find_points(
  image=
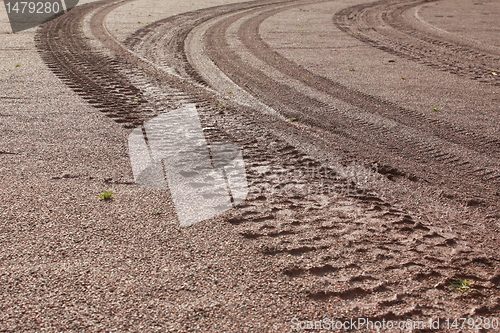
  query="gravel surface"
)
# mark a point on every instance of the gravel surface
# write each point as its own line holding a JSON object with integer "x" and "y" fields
{"x": 383, "y": 247}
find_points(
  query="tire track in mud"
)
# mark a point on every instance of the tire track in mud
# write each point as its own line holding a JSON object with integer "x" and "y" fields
{"x": 434, "y": 141}
{"x": 478, "y": 142}
{"x": 342, "y": 247}
{"x": 94, "y": 76}
{"x": 340, "y": 243}
{"x": 384, "y": 25}
{"x": 323, "y": 270}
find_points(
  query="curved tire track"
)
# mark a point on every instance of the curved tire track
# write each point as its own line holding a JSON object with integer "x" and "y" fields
{"x": 94, "y": 76}
{"x": 372, "y": 250}
{"x": 409, "y": 133}
{"x": 297, "y": 232}
{"x": 386, "y": 25}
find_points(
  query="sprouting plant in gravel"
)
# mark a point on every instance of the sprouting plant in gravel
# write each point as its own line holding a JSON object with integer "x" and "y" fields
{"x": 357, "y": 32}
{"x": 221, "y": 106}
{"x": 229, "y": 92}
{"x": 106, "y": 195}
{"x": 351, "y": 69}
{"x": 436, "y": 108}
{"x": 18, "y": 65}
{"x": 7, "y": 32}
{"x": 461, "y": 285}
{"x": 157, "y": 212}
{"x": 403, "y": 77}
{"x": 137, "y": 99}
{"x": 293, "y": 119}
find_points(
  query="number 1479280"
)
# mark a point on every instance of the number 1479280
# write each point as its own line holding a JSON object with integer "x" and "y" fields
{"x": 22, "y": 7}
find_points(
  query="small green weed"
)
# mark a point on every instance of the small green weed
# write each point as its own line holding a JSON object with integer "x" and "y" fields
{"x": 461, "y": 285}
{"x": 106, "y": 195}
{"x": 357, "y": 32}
{"x": 221, "y": 106}
{"x": 293, "y": 119}
{"x": 351, "y": 69}
{"x": 18, "y": 65}
{"x": 436, "y": 108}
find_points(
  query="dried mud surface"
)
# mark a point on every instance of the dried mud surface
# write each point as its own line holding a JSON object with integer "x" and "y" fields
{"x": 364, "y": 207}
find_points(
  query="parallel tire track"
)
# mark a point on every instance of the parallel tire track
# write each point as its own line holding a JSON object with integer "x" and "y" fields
{"x": 175, "y": 29}
{"x": 96, "y": 77}
{"x": 362, "y": 21}
{"x": 415, "y": 136}
{"x": 354, "y": 248}
{"x": 296, "y": 231}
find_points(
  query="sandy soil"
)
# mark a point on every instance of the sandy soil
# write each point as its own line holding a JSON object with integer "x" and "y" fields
{"x": 380, "y": 245}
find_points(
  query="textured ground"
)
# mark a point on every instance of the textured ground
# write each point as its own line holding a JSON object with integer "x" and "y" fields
{"x": 362, "y": 206}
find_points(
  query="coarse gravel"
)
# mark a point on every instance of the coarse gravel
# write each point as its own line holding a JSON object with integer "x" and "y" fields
{"x": 70, "y": 262}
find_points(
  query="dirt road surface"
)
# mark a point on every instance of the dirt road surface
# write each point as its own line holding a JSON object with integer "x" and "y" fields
{"x": 370, "y": 136}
